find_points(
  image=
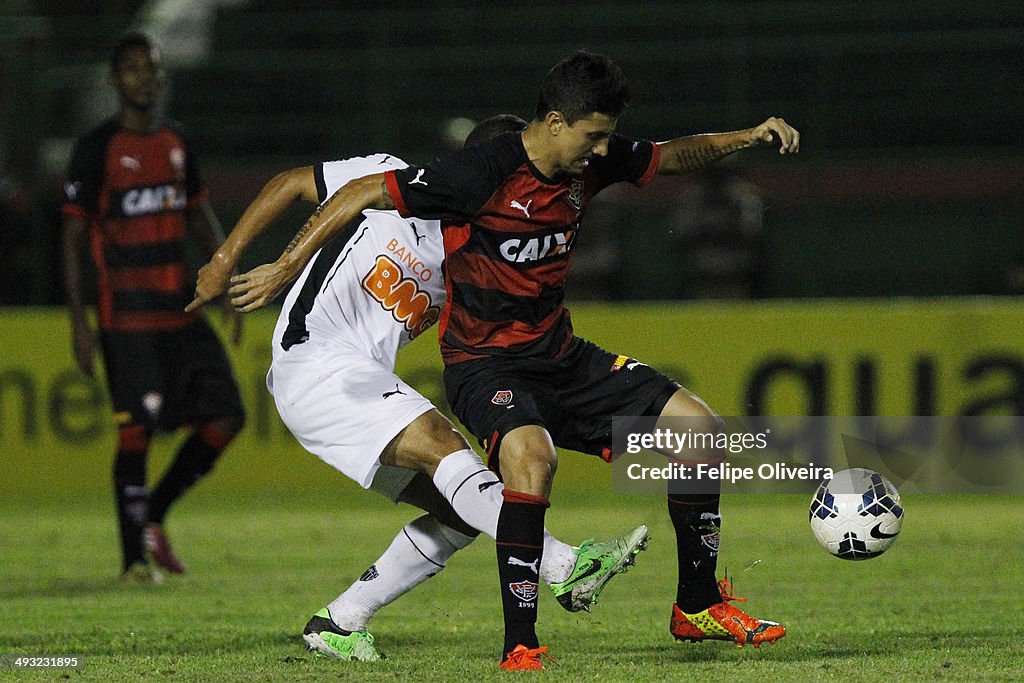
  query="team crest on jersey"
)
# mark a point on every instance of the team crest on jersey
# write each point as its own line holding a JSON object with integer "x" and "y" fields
{"x": 502, "y": 397}
{"x": 524, "y": 590}
{"x": 575, "y": 195}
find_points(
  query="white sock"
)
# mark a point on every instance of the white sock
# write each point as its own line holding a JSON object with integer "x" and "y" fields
{"x": 558, "y": 560}
{"x": 472, "y": 489}
{"x": 420, "y": 550}
{"x": 460, "y": 476}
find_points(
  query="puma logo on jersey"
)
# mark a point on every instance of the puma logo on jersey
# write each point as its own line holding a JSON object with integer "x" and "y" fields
{"x": 536, "y": 248}
{"x": 416, "y": 233}
{"x": 516, "y": 562}
{"x": 525, "y": 209}
{"x": 401, "y": 296}
{"x": 389, "y": 394}
{"x": 71, "y": 190}
{"x": 417, "y": 180}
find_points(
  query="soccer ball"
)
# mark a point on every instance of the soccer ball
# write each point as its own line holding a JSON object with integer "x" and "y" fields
{"x": 857, "y": 514}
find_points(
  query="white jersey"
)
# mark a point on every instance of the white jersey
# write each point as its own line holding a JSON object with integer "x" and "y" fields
{"x": 373, "y": 288}
{"x": 359, "y": 299}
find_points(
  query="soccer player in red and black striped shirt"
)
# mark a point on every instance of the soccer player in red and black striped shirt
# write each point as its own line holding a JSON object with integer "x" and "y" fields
{"x": 515, "y": 373}
{"x": 132, "y": 198}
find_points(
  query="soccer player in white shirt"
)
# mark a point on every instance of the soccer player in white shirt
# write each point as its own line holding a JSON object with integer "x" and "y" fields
{"x": 361, "y": 298}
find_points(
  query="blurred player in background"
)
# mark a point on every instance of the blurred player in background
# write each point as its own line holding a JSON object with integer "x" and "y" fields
{"x": 133, "y": 196}
{"x": 516, "y": 376}
{"x": 366, "y": 294}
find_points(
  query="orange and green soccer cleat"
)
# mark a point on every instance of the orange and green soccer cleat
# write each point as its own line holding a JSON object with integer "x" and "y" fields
{"x": 523, "y": 658}
{"x": 723, "y": 621}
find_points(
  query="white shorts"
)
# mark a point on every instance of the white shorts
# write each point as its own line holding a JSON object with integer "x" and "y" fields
{"x": 345, "y": 408}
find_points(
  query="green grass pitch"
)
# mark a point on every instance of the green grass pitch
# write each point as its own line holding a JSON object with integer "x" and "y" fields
{"x": 944, "y": 603}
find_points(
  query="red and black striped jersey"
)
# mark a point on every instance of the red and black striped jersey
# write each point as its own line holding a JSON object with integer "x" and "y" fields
{"x": 134, "y": 189}
{"x": 508, "y": 239}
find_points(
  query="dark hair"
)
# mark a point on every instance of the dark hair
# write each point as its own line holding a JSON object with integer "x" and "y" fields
{"x": 128, "y": 41}
{"x": 496, "y": 125}
{"x": 583, "y": 83}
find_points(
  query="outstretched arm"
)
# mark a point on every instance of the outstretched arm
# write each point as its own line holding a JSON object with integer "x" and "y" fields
{"x": 698, "y": 151}
{"x": 283, "y": 189}
{"x": 262, "y": 284}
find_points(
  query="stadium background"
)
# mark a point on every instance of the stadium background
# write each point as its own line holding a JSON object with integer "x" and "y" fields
{"x": 893, "y": 240}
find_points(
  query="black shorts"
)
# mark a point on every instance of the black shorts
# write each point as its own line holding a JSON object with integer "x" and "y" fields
{"x": 573, "y": 397}
{"x": 164, "y": 380}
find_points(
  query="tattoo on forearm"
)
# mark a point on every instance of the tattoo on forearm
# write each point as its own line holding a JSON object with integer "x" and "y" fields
{"x": 306, "y": 228}
{"x": 693, "y": 158}
{"x": 385, "y": 196}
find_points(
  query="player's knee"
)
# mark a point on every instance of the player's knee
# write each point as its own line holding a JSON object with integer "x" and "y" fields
{"x": 443, "y": 433}
{"x": 528, "y": 458}
{"x": 423, "y": 444}
{"x": 699, "y": 416}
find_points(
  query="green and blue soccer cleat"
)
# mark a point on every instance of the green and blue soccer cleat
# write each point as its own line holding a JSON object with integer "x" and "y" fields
{"x": 596, "y": 564}
{"x": 323, "y": 637}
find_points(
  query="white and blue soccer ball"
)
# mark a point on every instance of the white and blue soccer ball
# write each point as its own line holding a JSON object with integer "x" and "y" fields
{"x": 857, "y": 514}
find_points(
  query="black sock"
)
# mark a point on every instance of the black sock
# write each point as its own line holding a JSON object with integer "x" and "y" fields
{"x": 132, "y": 498}
{"x": 697, "y": 524}
{"x": 193, "y": 461}
{"x": 520, "y": 544}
